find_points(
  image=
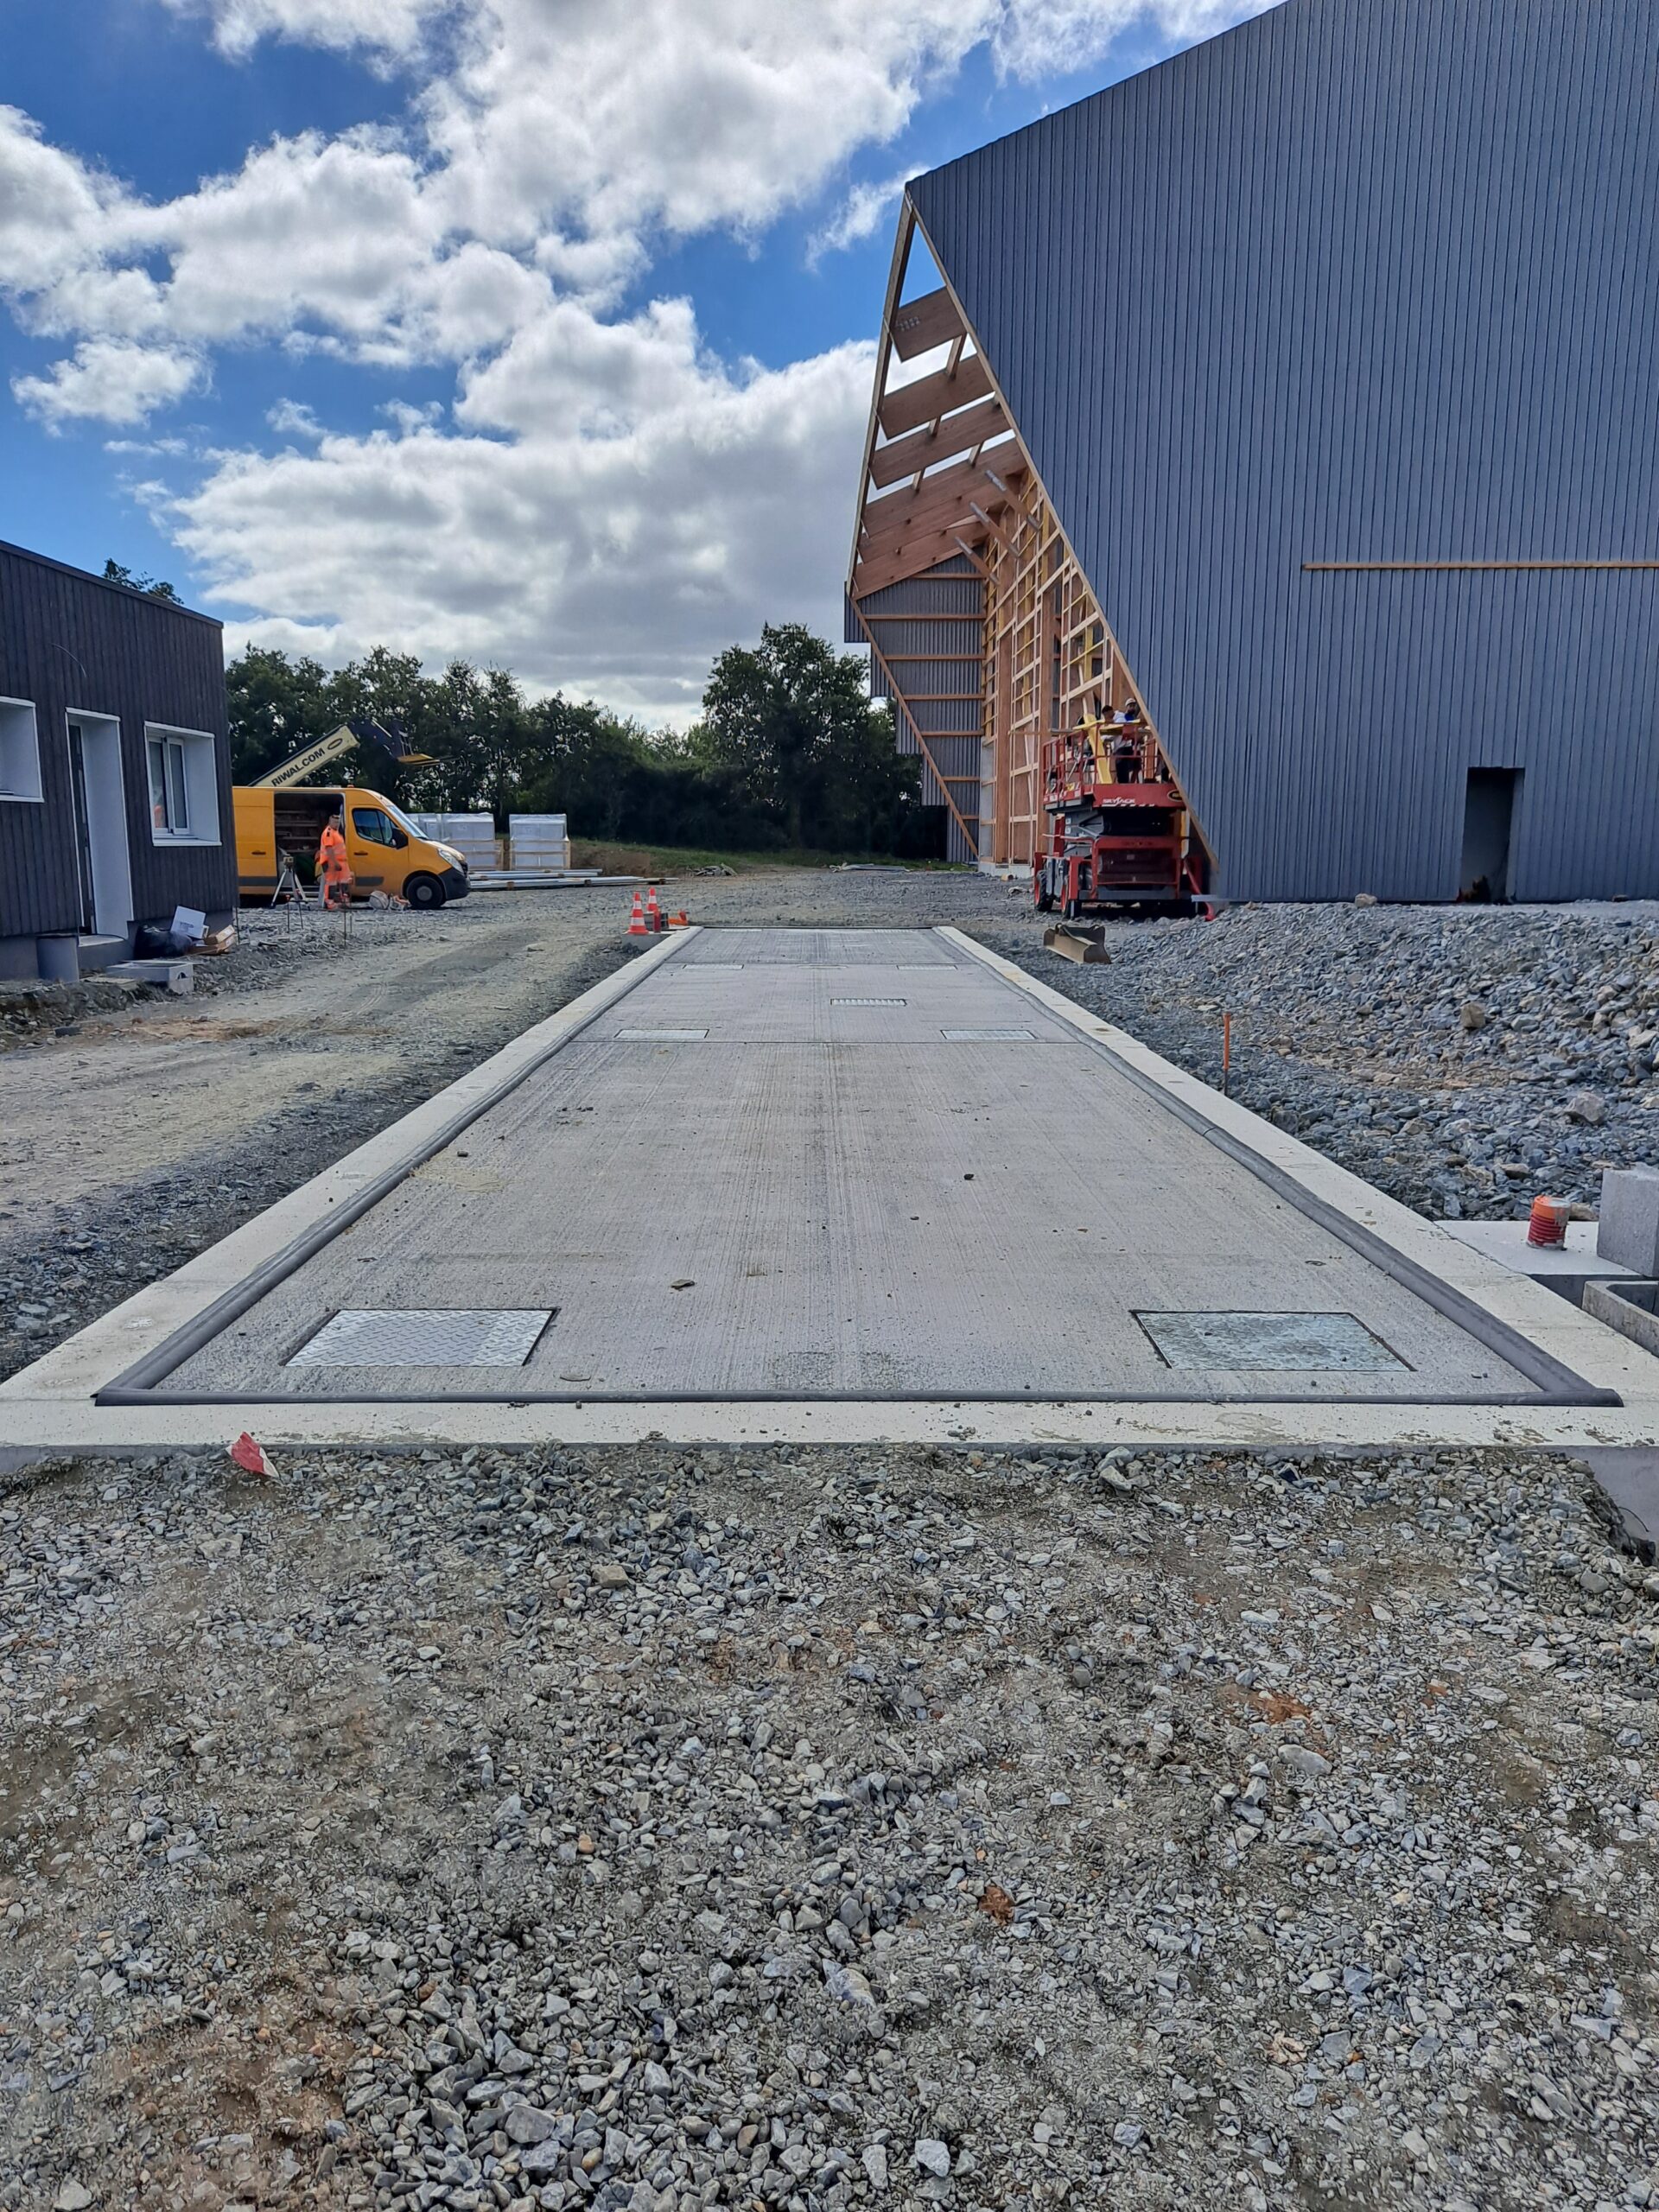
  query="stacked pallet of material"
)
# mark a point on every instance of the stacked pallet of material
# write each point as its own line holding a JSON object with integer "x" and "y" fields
{"x": 538, "y": 845}
{"x": 473, "y": 836}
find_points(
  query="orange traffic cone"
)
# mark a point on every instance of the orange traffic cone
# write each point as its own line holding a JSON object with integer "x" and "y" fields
{"x": 680, "y": 921}
{"x": 653, "y": 911}
{"x": 637, "y": 926}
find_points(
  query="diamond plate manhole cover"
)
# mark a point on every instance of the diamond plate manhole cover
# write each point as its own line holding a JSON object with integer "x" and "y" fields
{"x": 425, "y": 1337}
{"x": 987, "y": 1036}
{"x": 663, "y": 1036}
{"x": 1301, "y": 1344}
{"x": 868, "y": 1001}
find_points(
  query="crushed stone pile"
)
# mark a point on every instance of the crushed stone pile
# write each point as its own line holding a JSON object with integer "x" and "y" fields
{"x": 1464, "y": 1059}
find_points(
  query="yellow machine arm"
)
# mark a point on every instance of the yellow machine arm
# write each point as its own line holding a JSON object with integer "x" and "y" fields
{"x": 301, "y": 767}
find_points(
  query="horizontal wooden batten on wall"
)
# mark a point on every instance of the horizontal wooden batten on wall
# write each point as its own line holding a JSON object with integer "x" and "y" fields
{"x": 1412, "y": 568}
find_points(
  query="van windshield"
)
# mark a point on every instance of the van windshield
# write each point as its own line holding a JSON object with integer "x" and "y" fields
{"x": 401, "y": 820}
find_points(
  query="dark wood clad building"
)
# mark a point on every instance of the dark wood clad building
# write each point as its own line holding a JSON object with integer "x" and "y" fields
{"x": 115, "y": 784}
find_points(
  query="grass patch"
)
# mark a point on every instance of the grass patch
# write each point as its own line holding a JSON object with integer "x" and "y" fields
{"x": 686, "y": 860}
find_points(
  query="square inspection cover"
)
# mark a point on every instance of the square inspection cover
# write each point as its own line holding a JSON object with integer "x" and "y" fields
{"x": 425, "y": 1337}
{"x": 1299, "y": 1344}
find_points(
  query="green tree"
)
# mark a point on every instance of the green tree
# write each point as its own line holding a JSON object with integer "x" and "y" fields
{"x": 114, "y": 573}
{"x": 792, "y": 720}
{"x": 790, "y": 748}
{"x": 277, "y": 705}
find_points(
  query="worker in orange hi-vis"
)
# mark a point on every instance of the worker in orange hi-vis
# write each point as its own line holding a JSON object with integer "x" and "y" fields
{"x": 334, "y": 870}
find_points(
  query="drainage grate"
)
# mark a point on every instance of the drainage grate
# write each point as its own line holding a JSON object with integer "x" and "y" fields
{"x": 426, "y": 1337}
{"x": 1299, "y": 1343}
{"x": 662, "y": 1036}
{"x": 870, "y": 1001}
{"x": 988, "y": 1036}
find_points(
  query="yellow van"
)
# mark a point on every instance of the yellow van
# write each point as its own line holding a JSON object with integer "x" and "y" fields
{"x": 386, "y": 851}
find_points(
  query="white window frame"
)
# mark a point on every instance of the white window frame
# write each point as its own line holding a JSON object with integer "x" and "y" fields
{"x": 19, "y": 753}
{"x": 189, "y": 765}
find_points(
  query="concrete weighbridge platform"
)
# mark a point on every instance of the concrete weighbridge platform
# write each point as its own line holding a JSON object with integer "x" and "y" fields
{"x": 824, "y": 1184}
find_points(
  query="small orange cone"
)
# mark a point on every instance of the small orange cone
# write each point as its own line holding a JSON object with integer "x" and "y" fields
{"x": 653, "y": 912}
{"x": 680, "y": 921}
{"x": 637, "y": 926}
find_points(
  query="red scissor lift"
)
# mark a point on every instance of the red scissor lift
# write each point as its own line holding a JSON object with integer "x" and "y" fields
{"x": 1120, "y": 834}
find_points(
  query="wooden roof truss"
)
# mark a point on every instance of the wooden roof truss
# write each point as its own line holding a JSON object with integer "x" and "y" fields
{"x": 946, "y": 473}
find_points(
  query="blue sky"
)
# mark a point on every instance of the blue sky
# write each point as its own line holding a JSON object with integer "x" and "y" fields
{"x": 535, "y": 330}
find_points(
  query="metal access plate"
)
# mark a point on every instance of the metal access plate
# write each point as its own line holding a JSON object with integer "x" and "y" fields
{"x": 663, "y": 1036}
{"x": 987, "y": 1036}
{"x": 867, "y": 1001}
{"x": 1298, "y": 1343}
{"x": 425, "y": 1337}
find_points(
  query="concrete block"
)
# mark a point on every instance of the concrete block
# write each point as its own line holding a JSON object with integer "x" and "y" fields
{"x": 178, "y": 976}
{"x": 1630, "y": 1308}
{"x": 1629, "y": 1230}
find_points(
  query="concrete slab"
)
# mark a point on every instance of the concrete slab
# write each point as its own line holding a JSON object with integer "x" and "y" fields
{"x": 1564, "y": 1269}
{"x": 903, "y": 1190}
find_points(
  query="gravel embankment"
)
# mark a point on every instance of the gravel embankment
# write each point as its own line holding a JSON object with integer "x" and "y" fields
{"x": 1464, "y": 1059}
{"x": 887, "y": 1828}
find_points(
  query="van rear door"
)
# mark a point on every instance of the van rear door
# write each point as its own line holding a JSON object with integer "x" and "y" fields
{"x": 256, "y": 841}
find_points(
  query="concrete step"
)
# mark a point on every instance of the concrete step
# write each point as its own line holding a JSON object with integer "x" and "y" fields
{"x": 95, "y": 954}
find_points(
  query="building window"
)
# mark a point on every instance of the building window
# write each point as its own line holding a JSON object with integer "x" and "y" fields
{"x": 183, "y": 785}
{"x": 19, "y": 750}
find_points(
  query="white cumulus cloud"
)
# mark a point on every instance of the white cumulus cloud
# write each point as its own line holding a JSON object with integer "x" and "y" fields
{"x": 389, "y": 28}
{"x": 109, "y": 380}
{"x": 609, "y": 558}
{"x": 1045, "y": 38}
{"x": 598, "y": 501}
{"x": 868, "y": 208}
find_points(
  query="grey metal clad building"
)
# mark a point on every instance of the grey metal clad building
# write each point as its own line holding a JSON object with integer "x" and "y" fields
{"x": 1329, "y": 350}
{"x": 115, "y": 786}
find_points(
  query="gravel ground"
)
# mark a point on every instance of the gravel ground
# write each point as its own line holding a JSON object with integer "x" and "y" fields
{"x": 891, "y": 1828}
{"x": 1464, "y": 1059}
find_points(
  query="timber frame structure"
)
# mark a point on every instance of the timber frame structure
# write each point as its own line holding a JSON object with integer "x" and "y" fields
{"x": 983, "y": 630}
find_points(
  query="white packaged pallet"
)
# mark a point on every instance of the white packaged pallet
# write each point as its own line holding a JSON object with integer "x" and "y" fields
{"x": 473, "y": 836}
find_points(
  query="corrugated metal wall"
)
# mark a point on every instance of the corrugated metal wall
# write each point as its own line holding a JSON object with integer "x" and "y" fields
{"x": 929, "y": 631}
{"x": 68, "y": 640}
{"x": 1362, "y": 279}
